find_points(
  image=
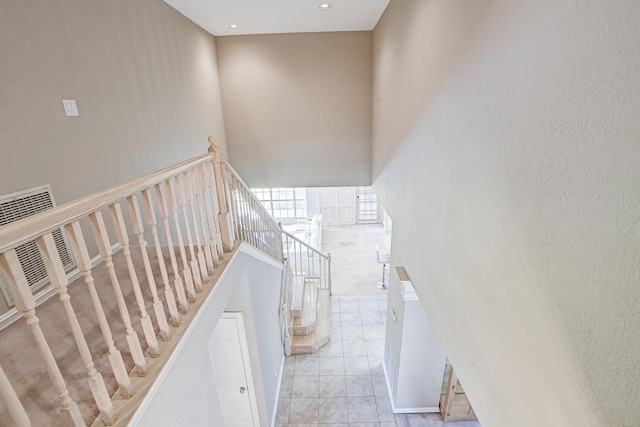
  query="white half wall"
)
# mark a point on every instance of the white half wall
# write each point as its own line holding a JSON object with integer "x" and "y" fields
{"x": 506, "y": 149}
{"x": 185, "y": 393}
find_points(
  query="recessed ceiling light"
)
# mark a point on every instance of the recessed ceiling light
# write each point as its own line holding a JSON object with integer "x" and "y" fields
{"x": 325, "y": 6}
{"x": 233, "y": 26}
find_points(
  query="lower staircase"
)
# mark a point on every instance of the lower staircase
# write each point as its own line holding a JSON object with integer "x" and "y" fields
{"x": 311, "y": 316}
{"x": 309, "y": 295}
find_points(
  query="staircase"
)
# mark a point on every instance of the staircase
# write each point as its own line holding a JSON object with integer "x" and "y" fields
{"x": 309, "y": 294}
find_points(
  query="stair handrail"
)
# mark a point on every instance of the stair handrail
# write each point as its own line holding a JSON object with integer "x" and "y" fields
{"x": 250, "y": 220}
{"x": 307, "y": 265}
{"x": 202, "y": 202}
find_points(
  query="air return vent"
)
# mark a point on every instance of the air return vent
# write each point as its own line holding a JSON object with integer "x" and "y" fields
{"x": 20, "y": 205}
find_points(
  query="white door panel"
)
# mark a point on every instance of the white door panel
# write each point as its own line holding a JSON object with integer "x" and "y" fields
{"x": 229, "y": 357}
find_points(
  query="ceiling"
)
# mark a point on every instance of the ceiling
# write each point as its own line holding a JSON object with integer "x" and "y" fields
{"x": 280, "y": 16}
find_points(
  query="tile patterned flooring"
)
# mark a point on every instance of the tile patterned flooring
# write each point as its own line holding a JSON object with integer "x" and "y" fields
{"x": 343, "y": 384}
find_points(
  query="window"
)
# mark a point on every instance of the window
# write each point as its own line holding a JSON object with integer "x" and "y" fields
{"x": 283, "y": 203}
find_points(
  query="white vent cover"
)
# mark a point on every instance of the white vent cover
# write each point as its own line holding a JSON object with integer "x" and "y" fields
{"x": 20, "y": 205}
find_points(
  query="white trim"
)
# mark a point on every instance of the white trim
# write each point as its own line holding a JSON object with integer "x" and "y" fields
{"x": 395, "y": 410}
{"x": 275, "y": 404}
{"x": 13, "y": 314}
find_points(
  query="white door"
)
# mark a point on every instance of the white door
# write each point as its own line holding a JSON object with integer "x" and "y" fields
{"x": 366, "y": 206}
{"x": 338, "y": 205}
{"x": 232, "y": 370}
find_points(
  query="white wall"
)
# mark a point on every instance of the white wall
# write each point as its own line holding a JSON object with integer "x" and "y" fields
{"x": 298, "y": 107}
{"x": 506, "y": 151}
{"x": 186, "y": 394}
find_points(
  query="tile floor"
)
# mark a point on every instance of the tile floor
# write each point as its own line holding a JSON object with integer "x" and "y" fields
{"x": 343, "y": 383}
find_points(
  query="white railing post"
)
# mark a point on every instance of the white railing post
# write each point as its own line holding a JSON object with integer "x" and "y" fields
{"x": 24, "y": 301}
{"x": 58, "y": 277}
{"x": 205, "y": 224}
{"x": 186, "y": 271}
{"x": 204, "y": 276}
{"x": 123, "y": 238}
{"x": 226, "y": 229}
{"x": 174, "y": 316}
{"x": 81, "y": 254}
{"x": 209, "y": 176}
{"x": 138, "y": 230}
{"x": 195, "y": 268}
{"x": 177, "y": 280}
{"x": 104, "y": 246}
{"x": 14, "y": 406}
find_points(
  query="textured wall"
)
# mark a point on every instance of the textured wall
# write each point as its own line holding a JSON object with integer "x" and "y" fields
{"x": 298, "y": 107}
{"x": 505, "y": 149}
{"x": 144, "y": 77}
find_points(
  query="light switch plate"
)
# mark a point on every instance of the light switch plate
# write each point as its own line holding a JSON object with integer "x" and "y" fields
{"x": 70, "y": 107}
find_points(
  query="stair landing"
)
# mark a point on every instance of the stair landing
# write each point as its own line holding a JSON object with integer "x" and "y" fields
{"x": 313, "y": 341}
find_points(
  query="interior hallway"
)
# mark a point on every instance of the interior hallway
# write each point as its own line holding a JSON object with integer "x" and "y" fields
{"x": 343, "y": 383}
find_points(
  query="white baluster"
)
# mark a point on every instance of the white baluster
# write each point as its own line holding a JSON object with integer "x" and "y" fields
{"x": 145, "y": 319}
{"x": 198, "y": 190}
{"x": 226, "y": 228}
{"x": 198, "y": 243}
{"x": 58, "y": 277}
{"x": 209, "y": 204}
{"x": 168, "y": 292}
{"x": 195, "y": 268}
{"x": 23, "y": 299}
{"x": 177, "y": 280}
{"x": 138, "y": 229}
{"x": 14, "y": 406}
{"x": 104, "y": 246}
{"x": 239, "y": 208}
{"x": 79, "y": 248}
{"x": 209, "y": 175}
{"x": 186, "y": 271}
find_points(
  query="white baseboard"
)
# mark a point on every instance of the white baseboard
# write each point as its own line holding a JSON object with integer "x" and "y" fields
{"x": 275, "y": 405}
{"x": 13, "y": 314}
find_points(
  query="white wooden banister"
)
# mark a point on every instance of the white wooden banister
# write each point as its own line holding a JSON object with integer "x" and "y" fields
{"x": 193, "y": 213}
{"x": 27, "y": 229}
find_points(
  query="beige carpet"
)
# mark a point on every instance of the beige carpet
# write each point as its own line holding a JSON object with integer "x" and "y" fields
{"x": 21, "y": 360}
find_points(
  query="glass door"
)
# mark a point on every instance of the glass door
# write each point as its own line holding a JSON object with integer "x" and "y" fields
{"x": 366, "y": 206}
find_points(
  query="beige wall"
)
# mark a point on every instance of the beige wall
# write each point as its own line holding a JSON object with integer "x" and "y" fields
{"x": 505, "y": 149}
{"x": 146, "y": 84}
{"x": 298, "y": 107}
{"x": 144, "y": 77}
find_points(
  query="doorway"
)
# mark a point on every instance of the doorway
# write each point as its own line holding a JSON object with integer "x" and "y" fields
{"x": 366, "y": 206}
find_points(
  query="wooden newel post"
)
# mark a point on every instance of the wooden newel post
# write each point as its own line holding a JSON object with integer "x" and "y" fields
{"x": 226, "y": 227}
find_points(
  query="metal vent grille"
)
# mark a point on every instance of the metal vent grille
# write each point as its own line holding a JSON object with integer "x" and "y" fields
{"x": 21, "y": 205}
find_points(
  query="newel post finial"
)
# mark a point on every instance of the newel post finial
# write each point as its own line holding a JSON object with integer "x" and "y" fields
{"x": 213, "y": 145}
